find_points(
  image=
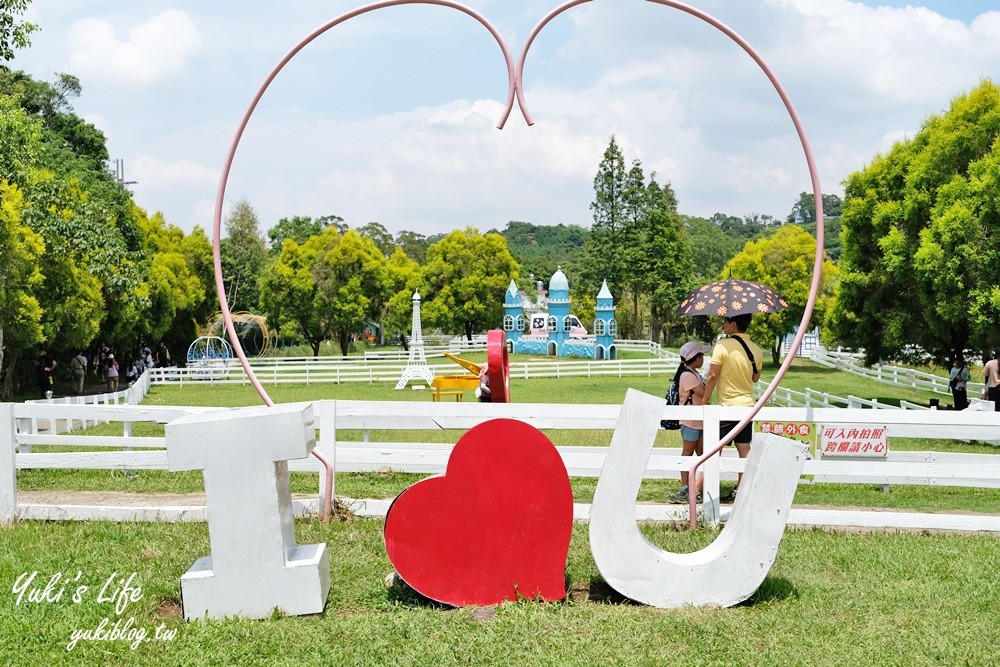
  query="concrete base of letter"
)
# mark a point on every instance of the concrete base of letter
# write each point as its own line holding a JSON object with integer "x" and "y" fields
{"x": 301, "y": 588}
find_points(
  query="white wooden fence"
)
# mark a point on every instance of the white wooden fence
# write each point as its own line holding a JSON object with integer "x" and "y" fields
{"x": 327, "y": 369}
{"x": 133, "y": 395}
{"x": 894, "y": 375}
{"x": 333, "y": 417}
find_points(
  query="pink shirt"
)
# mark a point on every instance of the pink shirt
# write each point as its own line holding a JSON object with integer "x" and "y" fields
{"x": 688, "y": 382}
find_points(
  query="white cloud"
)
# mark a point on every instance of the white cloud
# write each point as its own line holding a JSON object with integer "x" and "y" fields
{"x": 155, "y": 49}
{"x": 159, "y": 172}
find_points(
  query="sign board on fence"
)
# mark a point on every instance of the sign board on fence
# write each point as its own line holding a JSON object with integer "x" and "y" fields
{"x": 804, "y": 432}
{"x": 866, "y": 441}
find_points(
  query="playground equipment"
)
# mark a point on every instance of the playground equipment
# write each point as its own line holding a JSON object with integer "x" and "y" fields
{"x": 251, "y": 330}
{"x": 209, "y": 357}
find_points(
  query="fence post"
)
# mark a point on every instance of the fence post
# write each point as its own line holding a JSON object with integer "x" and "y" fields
{"x": 710, "y": 469}
{"x": 8, "y": 464}
{"x": 327, "y": 444}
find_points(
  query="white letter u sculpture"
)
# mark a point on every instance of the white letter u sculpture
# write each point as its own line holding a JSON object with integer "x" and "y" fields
{"x": 725, "y": 572}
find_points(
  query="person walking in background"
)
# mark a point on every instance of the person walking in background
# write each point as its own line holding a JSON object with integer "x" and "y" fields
{"x": 79, "y": 367}
{"x": 46, "y": 366}
{"x": 102, "y": 356}
{"x": 959, "y": 377}
{"x": 691, "y": 390}
{"x": 736, "y": 362}
{"x": 133, "y": 372}
{"x": 991, "y": 371}
{"x": 111, "y": 372}
{"x": 162, "y": 356}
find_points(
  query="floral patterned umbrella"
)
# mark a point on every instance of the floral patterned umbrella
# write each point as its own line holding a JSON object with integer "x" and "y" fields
{"x": 728, "y": 298}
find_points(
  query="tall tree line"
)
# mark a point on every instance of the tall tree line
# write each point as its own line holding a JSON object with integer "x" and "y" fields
{"x": 637, "y": 243}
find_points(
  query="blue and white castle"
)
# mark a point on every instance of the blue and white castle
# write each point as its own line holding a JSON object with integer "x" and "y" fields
{"x": 557, "y": 333}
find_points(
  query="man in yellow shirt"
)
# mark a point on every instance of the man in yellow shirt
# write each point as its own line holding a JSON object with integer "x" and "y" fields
{"x": 735, "y": 369}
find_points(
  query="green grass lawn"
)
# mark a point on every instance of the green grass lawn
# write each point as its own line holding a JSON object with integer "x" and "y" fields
{"x": 830, "y": 599}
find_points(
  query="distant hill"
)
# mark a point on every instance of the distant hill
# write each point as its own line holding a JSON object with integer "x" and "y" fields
{"x": 540, "y": 249}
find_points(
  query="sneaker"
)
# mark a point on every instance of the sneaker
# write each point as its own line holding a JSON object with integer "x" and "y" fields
{"x": 680, "y": 497}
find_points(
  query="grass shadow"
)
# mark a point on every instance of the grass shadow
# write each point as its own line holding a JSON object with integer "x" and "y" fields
{"x": 599, "y": 591}
{"x": 401, "y": 593}
{"x": 773, "y": 589}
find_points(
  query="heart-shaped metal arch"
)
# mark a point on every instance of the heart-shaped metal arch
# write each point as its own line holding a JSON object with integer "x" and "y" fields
{"x": 817, "y": 193}
{"x": 515, "y": 90}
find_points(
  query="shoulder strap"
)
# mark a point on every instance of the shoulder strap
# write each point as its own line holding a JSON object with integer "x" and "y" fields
{"x": 746, "y": 348}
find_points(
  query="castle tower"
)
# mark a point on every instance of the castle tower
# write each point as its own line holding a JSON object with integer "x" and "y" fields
{"x": 513, "y": 318}
{"x": 416, "y": 365}
{"x": 605, "y": 325}
{"x": 558, "y": 319}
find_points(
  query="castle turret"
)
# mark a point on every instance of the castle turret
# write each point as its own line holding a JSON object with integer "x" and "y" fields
{"x": 558, "y": 318}
{"x": 513, "y": 319}
{"x": 605, "y": 325}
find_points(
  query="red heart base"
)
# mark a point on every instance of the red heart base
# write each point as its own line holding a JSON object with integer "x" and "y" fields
{"x": 494, "y": 528}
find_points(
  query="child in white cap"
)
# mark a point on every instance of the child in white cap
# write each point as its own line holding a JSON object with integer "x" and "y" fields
{"x": 691, "y": 388}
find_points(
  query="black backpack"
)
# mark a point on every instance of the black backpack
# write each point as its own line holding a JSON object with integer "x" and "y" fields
{"x": 673, "y": 397}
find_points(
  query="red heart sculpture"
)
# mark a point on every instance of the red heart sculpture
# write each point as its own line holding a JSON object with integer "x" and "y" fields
{"x": 495, "y": 527}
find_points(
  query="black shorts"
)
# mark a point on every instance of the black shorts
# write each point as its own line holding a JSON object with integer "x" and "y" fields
{"x": 743, "y": 437}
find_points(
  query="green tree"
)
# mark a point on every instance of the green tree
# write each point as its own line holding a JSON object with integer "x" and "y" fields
{"x": 466, "y": 276}
{"x": 20, "y": 279}
{"x": 20, "y": 141}
{"x": 331, "y": 286}
{"x": 413, "y": 244}
{"x": 404, "y": 277}
{"x": 299, "y": 228}
{"x": 91, "y": 266}
{"x": 604, "y": 253}
{"x": 710, "y": 247}
{"x": 664, "y": 265}
{"x": 804, "y": 209}
{"x": 921, "y": 237}
{"x": 243, "y": 257}
{"x": 14, "y": 34}
{"x": 180, "y": 299}
{"x": 380, "y": 236}
{"x": 784, "y": 263}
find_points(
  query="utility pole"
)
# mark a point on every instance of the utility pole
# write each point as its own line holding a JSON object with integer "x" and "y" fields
{"x": 120, "y": 173}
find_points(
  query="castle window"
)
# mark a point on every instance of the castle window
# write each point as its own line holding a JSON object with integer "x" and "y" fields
{"x": 520, "y": 323}
{"x": 613, "y": 327}
{"x": 599, "y": 327}
{"x": 566, "y": 325}
{"x": 552, "y": 324}
{"x": 508, "y": 323}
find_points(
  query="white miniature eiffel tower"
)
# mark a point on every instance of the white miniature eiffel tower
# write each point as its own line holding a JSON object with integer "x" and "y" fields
{"x": 416, "y": 365}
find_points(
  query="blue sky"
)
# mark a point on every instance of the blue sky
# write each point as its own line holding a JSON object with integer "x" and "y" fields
{"x": 390, "y": 116}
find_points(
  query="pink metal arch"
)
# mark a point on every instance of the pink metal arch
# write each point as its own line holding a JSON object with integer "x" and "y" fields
{"x": 817, "y": 193}
{"x": 515, "y": 89}
{"x": 227, "y": 167}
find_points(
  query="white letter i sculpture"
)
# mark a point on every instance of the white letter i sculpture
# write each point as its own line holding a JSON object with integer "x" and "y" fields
{"x": 255, "y": 566}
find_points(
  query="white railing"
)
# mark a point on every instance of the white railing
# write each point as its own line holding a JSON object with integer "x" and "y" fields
{"x": 894, "y": 375}
{"x": 925, "y": 468}
{"x": 133, "y": 395}
{"x": 320, "y": 369}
